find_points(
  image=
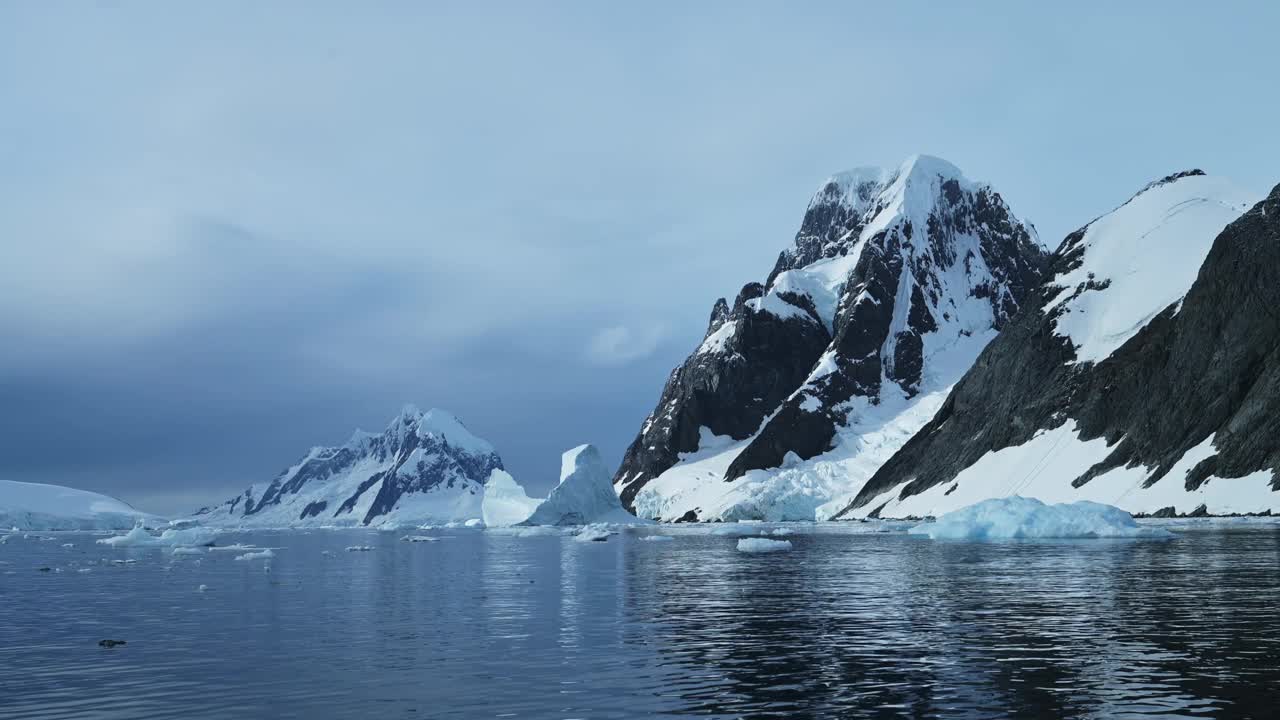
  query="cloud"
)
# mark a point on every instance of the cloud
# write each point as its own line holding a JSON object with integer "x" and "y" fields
{"x": 620, "y": 345}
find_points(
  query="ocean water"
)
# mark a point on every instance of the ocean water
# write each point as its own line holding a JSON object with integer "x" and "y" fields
{"x": 849, "y": 623}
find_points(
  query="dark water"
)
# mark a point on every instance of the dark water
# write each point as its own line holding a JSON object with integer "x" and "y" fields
{"x": 482, "y": 625}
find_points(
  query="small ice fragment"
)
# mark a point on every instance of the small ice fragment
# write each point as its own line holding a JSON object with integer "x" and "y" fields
{"x": 359, "y": 548}
{"x": 261, "y": 555}
{"x": 657, "y": 538}
{"x": 762, "y": 545}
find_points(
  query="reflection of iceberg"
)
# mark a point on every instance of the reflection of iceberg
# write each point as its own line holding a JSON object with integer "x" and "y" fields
{"x": 585, "y": 493}
{"x": 505, "y": 502}
{"x": 1019, "y": 517}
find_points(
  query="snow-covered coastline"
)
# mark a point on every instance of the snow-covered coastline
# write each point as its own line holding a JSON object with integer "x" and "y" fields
{"x": 38, "y": 506}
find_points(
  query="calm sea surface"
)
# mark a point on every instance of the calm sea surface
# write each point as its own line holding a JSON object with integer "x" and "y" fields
{"x": 481, "y": 625}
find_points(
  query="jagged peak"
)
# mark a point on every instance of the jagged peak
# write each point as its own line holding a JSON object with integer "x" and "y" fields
{"x": 435, "y": 422}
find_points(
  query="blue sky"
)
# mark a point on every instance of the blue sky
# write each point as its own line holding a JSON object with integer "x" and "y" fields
{"x": 231, "y": 231}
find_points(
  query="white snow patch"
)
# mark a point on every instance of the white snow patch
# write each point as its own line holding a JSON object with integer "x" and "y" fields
{"x": 715, "y": 341}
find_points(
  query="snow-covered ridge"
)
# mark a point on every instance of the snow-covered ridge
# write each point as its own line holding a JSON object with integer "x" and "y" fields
{"x": 1139, "y": 259}
{"x": 425, "y": 467}
{"x": 36, "y": 506}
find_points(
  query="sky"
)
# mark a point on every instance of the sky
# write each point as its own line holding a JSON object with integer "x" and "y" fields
{"x": 232, "y": 231}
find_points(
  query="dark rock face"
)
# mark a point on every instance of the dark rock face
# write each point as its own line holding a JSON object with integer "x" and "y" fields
{"x": 1207, "y": 368}
{"x": 780, "y": 366}
{"x": 407, "y": 458}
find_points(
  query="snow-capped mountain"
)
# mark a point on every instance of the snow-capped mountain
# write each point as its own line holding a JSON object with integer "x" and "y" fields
{"x": 1144, "y": 372}
{"x": 584, "y": 494}
{"x": 36, "y": 506}
{"x": 800, "y": 390}
{"x": 425, "y": 468}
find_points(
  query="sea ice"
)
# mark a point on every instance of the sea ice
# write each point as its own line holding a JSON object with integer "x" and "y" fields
{"x": 762, "y": 545}
{"x": 1019, "y": 517}
{"x": 657, "y": 538}
{"x": 260, "y": 555}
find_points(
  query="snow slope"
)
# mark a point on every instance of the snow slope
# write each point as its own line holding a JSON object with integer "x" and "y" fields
{"x": 1144, "y": 375}
{"x": 35, "y": 506}
{"x": 1140, "y": 259}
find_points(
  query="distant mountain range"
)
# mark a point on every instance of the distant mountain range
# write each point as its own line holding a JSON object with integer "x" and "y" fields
{"x": 914, "y": 351}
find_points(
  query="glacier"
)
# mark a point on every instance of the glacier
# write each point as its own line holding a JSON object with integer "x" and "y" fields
{"x": 38, "y": 506}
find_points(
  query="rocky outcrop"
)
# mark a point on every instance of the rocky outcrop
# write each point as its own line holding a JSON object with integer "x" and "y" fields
{"x": 895, "y": 280}
{"x": 1159, "y": 416}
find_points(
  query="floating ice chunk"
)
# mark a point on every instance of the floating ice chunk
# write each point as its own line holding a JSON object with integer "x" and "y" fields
{"x": 534, "y": 531}
{"x": 139, "y": 537}
{"x": 1019, "y": 517}
{"x": 234, "y": 547}
{"x": 359, "y": 548}
{"x": 762, "y": 545}
{"x": 657, "y": 538}
{"x": 68, "y": 545}
{"x": 84, "y": 570}
{"x": 418, "y": 538}
{"x": 187, "y": 551}
{"x": 135, "y": 537}
{"x": 781, "y": 531}
{"x": 597, "y": 532}
{"x": 260, "y": 555}
{"x": 473, "y": 522}
{"x": 585, "y": 494}
{"x": 202, "y": 588}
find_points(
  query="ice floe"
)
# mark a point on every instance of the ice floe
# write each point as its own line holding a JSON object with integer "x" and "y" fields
{"x": 1019, "y": 517}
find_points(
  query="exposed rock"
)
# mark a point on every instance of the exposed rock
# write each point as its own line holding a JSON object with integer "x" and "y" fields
{"x": 1203, "y": 372}
{"x": 895, "y": 280}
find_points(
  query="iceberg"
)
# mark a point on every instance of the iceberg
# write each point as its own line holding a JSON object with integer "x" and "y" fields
{"x": 762, "y": 545}
{"x": 139, "y": 537}
{"x": 585, "y": 494}
{"x": 505, "y": 502}
{"x": 1018, "y": 517}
